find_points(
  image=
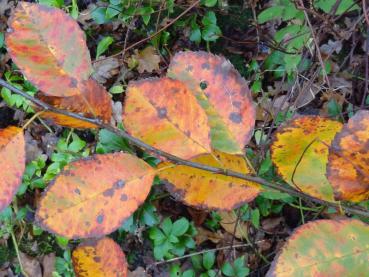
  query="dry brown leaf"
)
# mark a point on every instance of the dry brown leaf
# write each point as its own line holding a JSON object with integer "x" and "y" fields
{"x": 30, "y": 265}
{"x": 148, "y": 59}
{"x": 228, "y": 222}
{"x": 204, "y": 235}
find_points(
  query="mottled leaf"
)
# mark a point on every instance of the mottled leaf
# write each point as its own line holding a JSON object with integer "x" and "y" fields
{"x": 207, "y": 190}
{"x": 222, "y": 93}
{"x": 325, "y": 248}
{"x": 165, "y": 114}
{"x": 99, "y": 258}
{"x": 300, "y": 153}
{"x": 95, "y": 102}
{"x": 348, "y": 164}
{"x": 12, "y": 163}
{"x": 50, "y": 49}
{"x": 93, "y": 196}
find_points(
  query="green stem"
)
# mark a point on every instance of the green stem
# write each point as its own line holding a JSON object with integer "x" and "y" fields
{"x": 17, "y": 252}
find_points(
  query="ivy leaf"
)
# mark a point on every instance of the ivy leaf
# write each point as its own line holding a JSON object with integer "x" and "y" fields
{"x": 222, "y": 93}
{"x": 204, "y": 189}
{"x": 101, "y": 257}
{"x": 300, "y": 153}
{"x": 348, "y": 165}
{"x": 93, "y": 196}
{"x": 12, "y": 163}
{"x": 41, "y": 48}
{"x": 325, "y": 248}
{"x": 165, "y": 114}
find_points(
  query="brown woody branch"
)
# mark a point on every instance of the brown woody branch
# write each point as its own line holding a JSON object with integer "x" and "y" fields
{"x": 352, "y": 210}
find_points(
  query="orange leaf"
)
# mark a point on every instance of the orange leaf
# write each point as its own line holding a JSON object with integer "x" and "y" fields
{"x": 300, "y": 154}
{"x": 95, "y": 102}
{"x": 99, "y": 258}
{"x": 93, "y": 196}
{"x": 50, "y": 49}
{"x": 222, "y": 93}
{"x": 348, "y": 165}
{"x": 207, "y": 190}
{"x": 12, "y": 163}
{"x": 165, "y": 114}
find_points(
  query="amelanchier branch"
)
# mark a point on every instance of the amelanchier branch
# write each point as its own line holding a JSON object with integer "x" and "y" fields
{"x": 179, "y": 161}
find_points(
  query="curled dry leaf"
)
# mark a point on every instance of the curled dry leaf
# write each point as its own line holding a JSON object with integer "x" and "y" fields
{"x": 222, "y": 93}
{"x": 95, "y": 102}
{"x": 325, "y": 248}
{"x": 300, "y": 154}
{"x": 12, "y": 163}
{"x": 99, "y": 258}
{"x": 93, "y": 196}
{"x": 207, "y": 190}
{"x": 51, "y": 55}
{"x": 165, "y": 114}
{"x": 348, "y": 165}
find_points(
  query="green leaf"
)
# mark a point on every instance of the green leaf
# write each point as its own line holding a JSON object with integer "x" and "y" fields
{"x": 228, "y": 270}
{"x": 98, "y": 15}
{"x": 110, "y": 142}
{"x": 180, "y": 227}
{"x": 156, "y": 235}
{"x": 255, "y": 218}
{"x": 270, "y": 14}
{"x": 195, "y": 35}
{"x": 103, "y": 45}
{"x": 209, "y": 3}
{"x": 167, "y": 226}
{"x": 116, "y": 89}
{"x": 2, "y": 38}
{"x": 209, "y": 19}
{"x": 189, "y": 273}
{"x": 148, "y": 216}
{"x": 208, "y": 260}
{"x": 196, "y": 262}
{"x": 327, "y": 5}
{"x": 211, "y": 32}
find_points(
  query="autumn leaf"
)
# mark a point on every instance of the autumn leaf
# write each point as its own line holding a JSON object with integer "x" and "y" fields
{"x": 95, "y": 103}
{"x": 300, "y": 153}
{"x": 324, "y": 248}
{"x": 222, "y": 93}
{"x": 348, "y": 165}
{"x": 165, "y": 114}
{"x": 148, "y": 60}
{"x": 53, "y": 56}
{"x": 93, "y": 196}
{"x": 99, "y": 258}
{"x": 12, "y": 163}
{"x": 228, "y": 222}
{"x": 207, "y": 190}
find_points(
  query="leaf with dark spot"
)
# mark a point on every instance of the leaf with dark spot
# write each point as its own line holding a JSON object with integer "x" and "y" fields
{"x": 222, "y": 93}
{"x": 300, "y": 154}
{"x": 96, "y": 179}
{"x": 204, "y": 189}
{"x": 102, "y": 257}
{"x": 173, "y": 122}
{"x": 348, "y": 165}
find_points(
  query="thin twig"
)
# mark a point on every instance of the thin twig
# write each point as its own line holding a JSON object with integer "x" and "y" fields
{"x": 179, "y": 161}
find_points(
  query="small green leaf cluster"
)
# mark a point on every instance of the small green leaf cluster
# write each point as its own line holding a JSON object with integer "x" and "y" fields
{"x": 236, "y": 269}
{"x": 15, "y": 100}
{"x": 202, "y": 266}
{"x": 172, "y": 238}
